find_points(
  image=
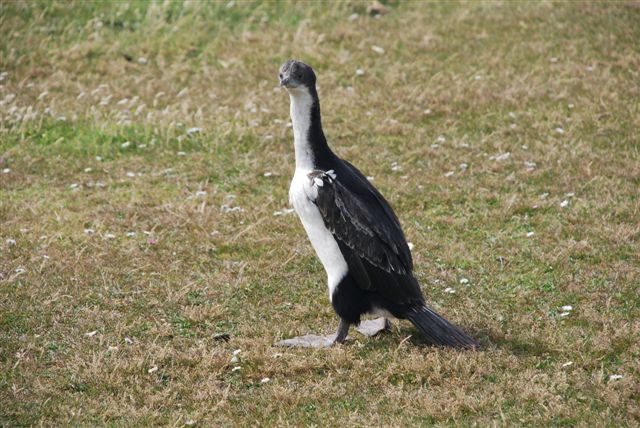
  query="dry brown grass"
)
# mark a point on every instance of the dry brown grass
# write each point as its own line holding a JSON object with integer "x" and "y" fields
{"x": 553, "y": 85}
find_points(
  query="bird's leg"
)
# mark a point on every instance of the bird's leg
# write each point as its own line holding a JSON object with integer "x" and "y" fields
{"x": 315, "y": 341}
{"x": 343, "y": 330}
{"x": 372, "y": 327}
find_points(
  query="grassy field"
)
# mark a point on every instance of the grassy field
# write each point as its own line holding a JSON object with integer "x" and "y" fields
{"x": 145, "y": 158}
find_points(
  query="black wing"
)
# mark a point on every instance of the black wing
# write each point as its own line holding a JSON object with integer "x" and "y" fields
{"x": 360, "y": 218}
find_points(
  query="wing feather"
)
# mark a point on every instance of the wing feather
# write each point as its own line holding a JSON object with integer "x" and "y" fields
{"x": 363, "y": 222}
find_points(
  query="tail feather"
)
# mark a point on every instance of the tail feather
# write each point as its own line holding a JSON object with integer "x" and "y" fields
{"x": 438, "y": 331}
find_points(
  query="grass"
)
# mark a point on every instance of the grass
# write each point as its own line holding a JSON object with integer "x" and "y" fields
{"x": 124, "y": 273}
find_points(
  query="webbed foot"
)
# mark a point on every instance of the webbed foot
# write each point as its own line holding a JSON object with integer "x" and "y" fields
{"x": 372, "y": 327}
{"x": 308, "y": 341}
{"x": 315, "y": 341}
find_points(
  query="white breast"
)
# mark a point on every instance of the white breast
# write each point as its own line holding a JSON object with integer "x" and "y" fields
{"x": 301, "y": 192}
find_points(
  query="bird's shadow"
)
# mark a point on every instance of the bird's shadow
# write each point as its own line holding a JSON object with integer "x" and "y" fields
{"x": 488, "y": 340}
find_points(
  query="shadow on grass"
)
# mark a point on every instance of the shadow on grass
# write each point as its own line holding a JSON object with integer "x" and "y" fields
{"x": 488, "y": 340}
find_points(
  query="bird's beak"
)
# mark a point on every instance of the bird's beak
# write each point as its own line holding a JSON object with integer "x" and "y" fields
{"x": 284, "y": 82}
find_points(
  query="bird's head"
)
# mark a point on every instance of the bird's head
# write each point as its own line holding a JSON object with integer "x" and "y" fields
{"x": 296, "y": 76}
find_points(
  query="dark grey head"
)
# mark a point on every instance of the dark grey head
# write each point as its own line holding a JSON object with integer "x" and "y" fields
{"x": 295, "y": 74}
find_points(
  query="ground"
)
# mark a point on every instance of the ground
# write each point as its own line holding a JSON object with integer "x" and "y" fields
{"x": 145, "y": 158}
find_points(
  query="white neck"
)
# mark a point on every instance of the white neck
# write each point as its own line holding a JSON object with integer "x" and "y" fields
{"x": 301, "y": 102}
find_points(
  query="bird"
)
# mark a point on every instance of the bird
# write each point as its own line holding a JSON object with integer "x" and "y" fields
{"x": 353, "y": 230}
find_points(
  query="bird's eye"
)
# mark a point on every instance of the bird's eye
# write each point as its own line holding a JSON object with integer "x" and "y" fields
{"x": 281, "y": 75}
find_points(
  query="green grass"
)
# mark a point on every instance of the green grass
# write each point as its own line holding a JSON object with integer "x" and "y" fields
{"x": 95, "y": 108}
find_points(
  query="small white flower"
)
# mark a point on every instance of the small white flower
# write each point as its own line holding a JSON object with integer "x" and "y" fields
{"x": 88, "y": 169}
{"x": 193, "y": 130}
{"x": 125, "y": 144}
{"x": 567, "y": 364}
{"x": 20, "y": 270}
{"x": 73, "y": 186}
{"x": 570, "y": 195}
{"x": 449, "y": 174}
{"x": 395, "y": 166}
{"x": 43, "y": 95}
{"x": 463, "y": 166}
{"x": 441, "y": 139}
{"x": 564, "y": 203}
{"x": 236, "y": 352}
{"x": 570, "y": 105}
{"x": 615, "y": 377}
{"x": 359, "y": 72}
{"x": 228, "y": 209}
{"x": 426, "y": 112}
{"x": 478, "y": 77}
{"x": 10, "y": 242}
{"x": 435, "y": 146}
{"x": 91, "y": 333}
{"x": 201, "y": 193}
{"x": 128, "y": 341}
{"x": 265, "y": 380}
{"x": 99, "y": 158}
{"x": 503, "y": 156}
{"x": 267, "y": 174}
{"x": 89, "y": 231}
{"x": 130, "y": 234}
{"x": 6, "y": 171}
{"x": 553, "y": 59}
{"x": 464, "y": 281}
{"x": 152, "y": 369}
{"x": 236, "y": 368}
{"x": 512, "y": 115}
{"x": 131, "y": 174}
{"x": 544, "y": 195}
{"x": 559, "y": 130}
{"x": 377, "y": 49}
{"x": 142, "y": 60}
{"x": 234, "y": 359}
{"x": 565, "y": 314}
{"x": 109, "y": 236}
{"x": 283, "y": 212}
{"x": 449, "y": 290}
{"x": 530, "y": 234}
{"x": 567, "y": 308}
{"x": 181, "y": 153}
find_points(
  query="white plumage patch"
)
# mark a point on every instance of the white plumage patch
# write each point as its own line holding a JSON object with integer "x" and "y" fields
{"x": 302, "y": 192}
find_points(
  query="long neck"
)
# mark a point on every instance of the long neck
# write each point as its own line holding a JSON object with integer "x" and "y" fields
{"x": 309, "y": 140}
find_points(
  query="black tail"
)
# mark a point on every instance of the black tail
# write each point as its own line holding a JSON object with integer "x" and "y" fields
{"x": 438, "y": 331}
